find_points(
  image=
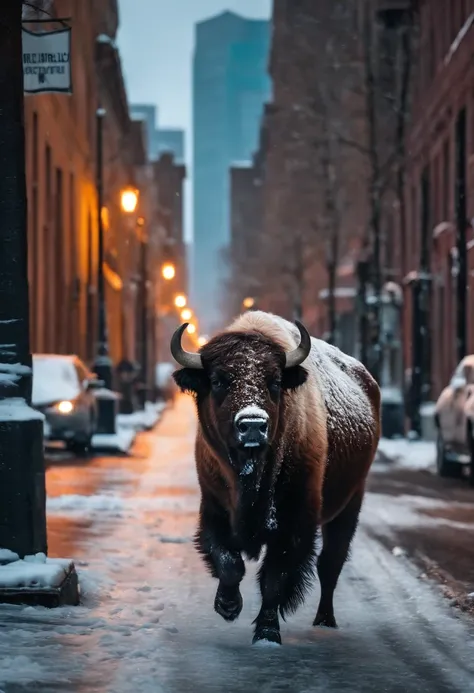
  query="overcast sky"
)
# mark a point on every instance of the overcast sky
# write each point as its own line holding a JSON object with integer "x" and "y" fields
{"x": 156, "y": 41}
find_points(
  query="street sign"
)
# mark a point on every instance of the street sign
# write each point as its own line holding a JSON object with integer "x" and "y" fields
{"x": 47, "y": 61}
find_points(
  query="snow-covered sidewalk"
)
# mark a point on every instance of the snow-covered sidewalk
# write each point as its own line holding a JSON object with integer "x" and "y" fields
{"x": 416, "y": 454}
{"x": 129, "y": 566}
{"x": 143, "y": 420}
{"x": 146, "y": 622}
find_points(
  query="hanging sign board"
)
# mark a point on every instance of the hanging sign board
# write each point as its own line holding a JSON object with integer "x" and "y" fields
{"x": 47, "y": 62}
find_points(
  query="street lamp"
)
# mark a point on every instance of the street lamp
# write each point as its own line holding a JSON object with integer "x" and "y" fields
{"x": 180, "y": 301}
{"x": 186, "y": 314}
{"x": 248, "y": 302}
{"x": 129, "y": 200}
{"x": 201, "y": 341}
{"x": 191, "y": 328}
{"x": 168, "y": 271}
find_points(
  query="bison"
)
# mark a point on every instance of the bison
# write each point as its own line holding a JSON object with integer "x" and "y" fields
{"x": 288, "y": 429}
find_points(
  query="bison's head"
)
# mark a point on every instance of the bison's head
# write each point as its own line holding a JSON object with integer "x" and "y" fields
{"x": 239, "y": 380}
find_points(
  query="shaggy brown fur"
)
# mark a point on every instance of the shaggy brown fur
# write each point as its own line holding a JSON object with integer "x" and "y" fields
{"x": 324, "y": 426}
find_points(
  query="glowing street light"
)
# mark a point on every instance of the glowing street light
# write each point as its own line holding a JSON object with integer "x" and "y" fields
{"x": 186, "y": 314}
{"x": 191, "y": 328}
{"x": 201, "y": 341}
{"x": 129, "y": 200}
{"x": 248, "y": 302}
{"x": 168, "y": 271}
{"x": 180, "y": 301}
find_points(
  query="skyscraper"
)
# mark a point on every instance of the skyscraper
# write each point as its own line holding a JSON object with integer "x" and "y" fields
{"x": 230, "y": 86}
{"x": 160, "y": 140}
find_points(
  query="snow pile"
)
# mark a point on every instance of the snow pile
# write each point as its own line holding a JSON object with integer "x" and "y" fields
{"x": 20, "y": 670}
{"x": 10, "y": 373}
{"x": 16, "y": 409}
{"x": 122, "y": 440}
{"x": 85, "y": 504}
{"x": 141, "y": 420}
{"x": 120, "y": 506}
{"x": 7, "y": 556}
{"x": 411, "y": 454}
{"x": 36, "y": 572}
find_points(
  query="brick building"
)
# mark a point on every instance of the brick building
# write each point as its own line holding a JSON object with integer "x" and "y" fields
{"x": 299, "y": 208}
{"x": 61, "y": 196}
{"x": 61, "y": 139}
{"x": 439, "y": 191}
{"x": 246, "y": 224}
{"x": 169, "y": 177}
{"x": 123, "y": 153}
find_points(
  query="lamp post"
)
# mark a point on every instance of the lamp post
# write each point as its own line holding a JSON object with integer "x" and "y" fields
{"x": 143, "y": 311}
{"x": 102, "y": 362}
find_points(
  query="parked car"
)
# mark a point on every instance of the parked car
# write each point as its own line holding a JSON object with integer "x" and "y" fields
{"x": 454, "y": 420}
{"x": 63, "y": 390}
{"x": 166, "y": 388}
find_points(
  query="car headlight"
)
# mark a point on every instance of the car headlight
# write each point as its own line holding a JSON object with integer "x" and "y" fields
{"x": 65, "y": 407}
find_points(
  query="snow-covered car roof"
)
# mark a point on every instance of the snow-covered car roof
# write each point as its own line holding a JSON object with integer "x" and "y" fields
{"x": 63, "y": 357}
{"x": 54, "y": 378}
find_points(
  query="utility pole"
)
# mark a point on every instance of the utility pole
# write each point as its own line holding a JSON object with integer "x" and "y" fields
{"x": 22, "y": 476}
{"x": 102, "y": 362}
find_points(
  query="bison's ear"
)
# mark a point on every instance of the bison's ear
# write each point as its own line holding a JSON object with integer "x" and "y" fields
{"x": 192, "y": 380}
{"x": 294, "y": 377}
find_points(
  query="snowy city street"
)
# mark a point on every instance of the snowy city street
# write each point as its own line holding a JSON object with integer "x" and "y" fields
{"x": 146, "y": 620}
{"x": 236, "y": 346}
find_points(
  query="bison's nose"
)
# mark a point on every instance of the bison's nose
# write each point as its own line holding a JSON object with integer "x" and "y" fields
{"x": 252, "y": 432}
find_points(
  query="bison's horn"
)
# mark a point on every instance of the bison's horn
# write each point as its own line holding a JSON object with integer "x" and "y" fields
{"x": 298, "y": 355}
{"x": 183, "y": 357}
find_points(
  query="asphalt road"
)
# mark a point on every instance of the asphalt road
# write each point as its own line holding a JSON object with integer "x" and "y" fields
{"x": 147, "y": 622}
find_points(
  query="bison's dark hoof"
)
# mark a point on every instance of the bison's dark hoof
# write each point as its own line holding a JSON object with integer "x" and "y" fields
{"x": 228, "y": 606}
{"x": 325, "y": 621}
{"x": 267, "y": 636}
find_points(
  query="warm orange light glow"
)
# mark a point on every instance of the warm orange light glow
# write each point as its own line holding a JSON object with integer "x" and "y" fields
{"x": 202, "y": 341}
{"x": 168, "y": 271}
{"x": 180, "y": 301}
{"x": 249, "y": 302}
{"x": 191, "y": 328}
{"x": 186, "y": 314}
{"x": 105, "y": 218}
{"x": 129, "y": 200}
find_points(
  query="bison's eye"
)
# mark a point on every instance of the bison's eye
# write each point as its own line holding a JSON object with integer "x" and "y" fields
{"x": 219, "y": 384}
{"x": 274, "y": 387}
